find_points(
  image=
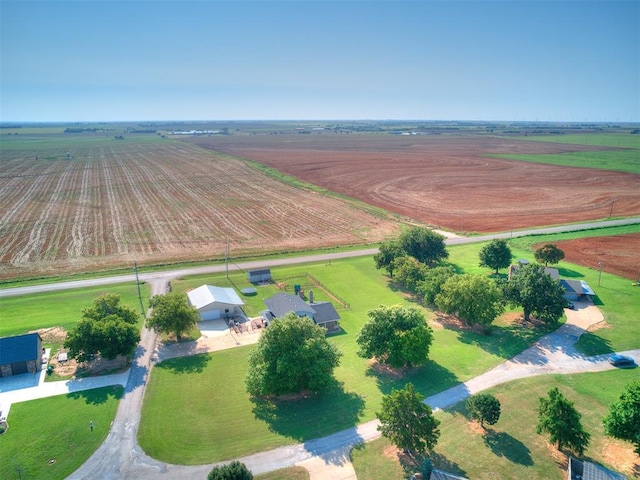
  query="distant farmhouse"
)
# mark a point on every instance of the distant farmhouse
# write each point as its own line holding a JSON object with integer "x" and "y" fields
{"x": 20, "y": 354}
{"x": 215, "y": 303}
{"x": 322, "y": 313}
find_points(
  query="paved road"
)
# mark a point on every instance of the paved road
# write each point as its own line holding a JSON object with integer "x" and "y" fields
{"x": 326, "y": 257}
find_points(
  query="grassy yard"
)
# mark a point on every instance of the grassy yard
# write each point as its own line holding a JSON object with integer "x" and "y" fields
{"x": 455, "y": 356}
{"x": 62, "y": 308}
{"x": 50, "y": 438}
{"x": 511, "y": 449}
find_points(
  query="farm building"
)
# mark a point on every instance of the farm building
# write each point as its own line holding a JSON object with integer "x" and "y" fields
{"x": 576, "y": 289}
{"x": 322, "y": 313}
{"x": 578, "y": 470}
{"x": 20, "y": 354}
{"x": 257, "y": 276}
{"x": 215, "y": 302}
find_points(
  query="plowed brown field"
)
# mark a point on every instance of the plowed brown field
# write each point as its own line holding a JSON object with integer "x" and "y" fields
{"x": 446, "y": 181}
{"x": 113, "y": 202}
{"x": 619, "y": 255}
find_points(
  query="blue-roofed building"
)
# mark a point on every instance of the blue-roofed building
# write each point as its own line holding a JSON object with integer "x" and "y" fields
{"x": 20, "y": 354}
{"x": 579, "y": 470}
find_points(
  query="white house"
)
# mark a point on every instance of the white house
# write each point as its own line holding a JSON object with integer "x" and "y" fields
{"x": 215, "y": 302}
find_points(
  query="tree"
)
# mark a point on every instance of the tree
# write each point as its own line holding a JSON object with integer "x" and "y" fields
{"x": 483, "y": 408}
{"x": 432, "y": 283}
{"x": 558, "y": 417}
{"x": 172, "y": 314}
{"x": 475, "y": 299}
{"x": 495, "y": 254}
{"x": 407, "y": 421}
{"x": 232, "y": 471}
{"x": 424, "y": 245}
{"x": 409, "y": 272}
{"x": 397, "y": 336}
{"x": 293, "y": 355}
{"x": 107, "y": 328}
{"x": 387, "y": 253}
{"x": 537, "y": 293}
{"x": 549, "y": 253}
{"x": 623, "y": 419}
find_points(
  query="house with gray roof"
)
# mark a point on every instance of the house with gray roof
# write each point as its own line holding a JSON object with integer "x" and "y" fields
{"x": 322, "y": 313}
{"x": 578, "y": 470}
{"x": 20, "y": 354}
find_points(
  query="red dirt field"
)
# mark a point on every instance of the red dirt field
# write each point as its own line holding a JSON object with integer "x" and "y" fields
{"x": 619, "y": 254}
{"x": 449, "y": 182}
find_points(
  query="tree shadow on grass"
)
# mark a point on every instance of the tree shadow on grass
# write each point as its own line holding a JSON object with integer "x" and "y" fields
{"x": 505, "y": 341}
{"x": 590, "y": 343}
{"x": 189, "y": 364}
{"x": 441, "y": 462}
{"x": 568, "y": 273}
{"x": 428, "y": 379}
{"x": 98, "y": 396}
{"x": 504, "y": 445}
{"x": 306, "y": 417}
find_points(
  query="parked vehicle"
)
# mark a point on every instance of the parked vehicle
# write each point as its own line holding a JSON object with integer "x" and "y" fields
{"x": 622, "y": 361}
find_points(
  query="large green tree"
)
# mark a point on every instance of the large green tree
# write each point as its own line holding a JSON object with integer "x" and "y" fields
{"x": 475, "y": 299}
{"x": 407, "y": 421}
{"x": 293, "y": 355}
{"x": 537, "y": 293}
{"x": 434, "y": 279}
{"x": 387, "y": 253}
{"x": 232, "y": 471}
{"x": 424, "y": 245}
{"x": 484, "y": 408}
{"x": 558, "y": 417}
{"x": 495, "y": 254}
{"x": 409, "y": 272}
{"x": 397, "y": 336}
{"x": 106, "y": 328}
{"x": 548, "y": 253}
{"x": 172, "y": 314}
{"x": 623, "y": 419}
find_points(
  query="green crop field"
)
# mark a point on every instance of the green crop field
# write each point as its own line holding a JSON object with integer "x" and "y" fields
{"x": 625, "y": 158}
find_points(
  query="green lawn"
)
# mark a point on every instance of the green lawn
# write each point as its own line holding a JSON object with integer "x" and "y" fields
{"x": 511, "y": 449}
{"x": 50, "y": 438}
{"x": 455, "y": 356}
{"x": 60, "y": 308}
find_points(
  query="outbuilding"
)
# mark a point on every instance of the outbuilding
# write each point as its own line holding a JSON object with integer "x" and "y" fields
{"x": 20, "y": 354}
{"x": 214, "y": 303}
{"x": 258, "y": 276}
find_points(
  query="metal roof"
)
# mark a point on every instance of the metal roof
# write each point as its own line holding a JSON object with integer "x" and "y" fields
{"x": 206, "y": 295}
{"x": 19, "y": 348}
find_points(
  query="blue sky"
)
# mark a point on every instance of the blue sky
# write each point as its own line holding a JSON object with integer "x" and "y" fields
{"x": 101, "y": 60}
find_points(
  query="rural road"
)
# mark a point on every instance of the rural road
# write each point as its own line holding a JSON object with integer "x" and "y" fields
{"x": 167, "y": 275}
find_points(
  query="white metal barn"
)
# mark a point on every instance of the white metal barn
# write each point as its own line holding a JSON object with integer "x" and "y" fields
{"x": 215, "y": 302}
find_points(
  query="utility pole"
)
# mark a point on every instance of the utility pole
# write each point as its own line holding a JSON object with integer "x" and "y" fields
{"x": 599, "y": 273}
{"x": 226, "y": 257}
{"x": 135, "y": 269}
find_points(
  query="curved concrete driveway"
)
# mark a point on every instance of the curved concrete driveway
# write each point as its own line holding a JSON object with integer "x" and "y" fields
{"x": 328, "y": 457}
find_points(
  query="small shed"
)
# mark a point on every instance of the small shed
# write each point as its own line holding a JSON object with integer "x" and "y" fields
{"x": 20, "y": 354}
{"x": 214, "y": 303}
{"x": 258, "y": 276}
